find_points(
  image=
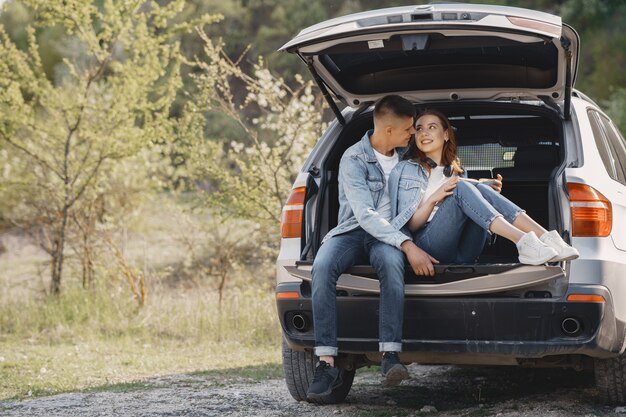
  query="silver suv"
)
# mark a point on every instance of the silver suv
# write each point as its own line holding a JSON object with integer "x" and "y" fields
{"x": 505, "y": 78}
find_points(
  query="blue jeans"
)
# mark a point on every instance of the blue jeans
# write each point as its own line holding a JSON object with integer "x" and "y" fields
{"x": 335, "y": 256}
{"x": 459, "y": 229}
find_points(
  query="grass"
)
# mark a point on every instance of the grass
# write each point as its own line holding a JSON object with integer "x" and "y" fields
{"x": 90, "y": 339}
{"x": 79, "y": 342}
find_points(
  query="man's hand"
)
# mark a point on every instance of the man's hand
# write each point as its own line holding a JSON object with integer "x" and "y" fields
{"x": 420, "y": 261}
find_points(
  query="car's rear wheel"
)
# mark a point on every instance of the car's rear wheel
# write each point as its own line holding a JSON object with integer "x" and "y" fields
{"x": 610, "y": 375}
{"x": 299, "y": 368}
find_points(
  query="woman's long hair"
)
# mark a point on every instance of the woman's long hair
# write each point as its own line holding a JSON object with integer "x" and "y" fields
{"x": 448, "y": 155}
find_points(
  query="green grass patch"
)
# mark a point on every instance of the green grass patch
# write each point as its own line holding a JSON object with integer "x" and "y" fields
{"x": 100, "y": 337}
{"x": 82, "y": 340}
{"x": 39, "y": 369}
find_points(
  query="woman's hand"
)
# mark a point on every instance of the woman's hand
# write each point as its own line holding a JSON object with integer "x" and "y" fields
{"x": 420, "y": 217}
{"x": 444, "y": 190}
{"x": 497, "y": 184}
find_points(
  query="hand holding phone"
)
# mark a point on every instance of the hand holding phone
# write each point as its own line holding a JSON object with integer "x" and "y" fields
{"x": 487, "y": 181}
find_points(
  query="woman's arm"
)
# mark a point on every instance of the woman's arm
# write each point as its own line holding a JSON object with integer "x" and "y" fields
{"x": 422, "y": 213}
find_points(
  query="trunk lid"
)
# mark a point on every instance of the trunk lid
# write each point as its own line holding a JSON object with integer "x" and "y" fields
{"x": 442, "y": 51}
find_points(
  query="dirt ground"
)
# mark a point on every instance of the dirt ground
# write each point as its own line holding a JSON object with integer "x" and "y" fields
{"x": 431, "y": 391}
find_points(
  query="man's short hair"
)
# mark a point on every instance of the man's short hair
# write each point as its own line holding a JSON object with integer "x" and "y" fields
{"x": 395, "y": 105}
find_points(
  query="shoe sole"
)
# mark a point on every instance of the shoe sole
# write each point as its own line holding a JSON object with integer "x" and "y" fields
{"x": 395, "y": 375}
{"x": 323, "y": 397}
{"x": 531, "y": 261}
{"x": 567, "y": 258}
{"x": 318, "y": 398}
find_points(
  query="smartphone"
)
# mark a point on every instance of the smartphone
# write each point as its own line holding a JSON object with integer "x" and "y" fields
{"x": 486, "y": 181}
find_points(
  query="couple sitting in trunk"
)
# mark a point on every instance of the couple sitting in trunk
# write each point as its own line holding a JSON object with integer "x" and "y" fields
{"x": 394, "y": 208}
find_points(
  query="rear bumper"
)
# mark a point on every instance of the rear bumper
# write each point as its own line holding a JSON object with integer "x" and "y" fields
{"x": 513, "y": 327}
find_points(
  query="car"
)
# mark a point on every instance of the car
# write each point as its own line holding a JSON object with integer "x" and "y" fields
{"x": 505, "y": 77}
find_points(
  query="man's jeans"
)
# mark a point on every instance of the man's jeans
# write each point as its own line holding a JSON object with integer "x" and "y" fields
{"x": 335, "y": 256}
{"x": 458, "y": 231}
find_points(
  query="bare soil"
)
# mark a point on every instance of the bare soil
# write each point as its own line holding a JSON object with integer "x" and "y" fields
{"x": 431, "y": 391}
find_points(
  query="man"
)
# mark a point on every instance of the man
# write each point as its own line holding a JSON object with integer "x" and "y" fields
{"x": 365, "y": 234}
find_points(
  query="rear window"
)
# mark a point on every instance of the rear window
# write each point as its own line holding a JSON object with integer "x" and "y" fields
{"x": 486, "y": 156}
{"x": 441, "y": 62}
{"x": 600, "y": 135}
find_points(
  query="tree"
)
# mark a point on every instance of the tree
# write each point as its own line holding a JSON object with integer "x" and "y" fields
{"x": 108, "y": 100}
{"x": 252, "y": 174}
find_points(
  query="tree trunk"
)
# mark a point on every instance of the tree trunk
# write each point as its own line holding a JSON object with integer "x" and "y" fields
{"x": 87, "y": 263}
{"x": 57, "y": 255}
{"x": 87, "y": 259}
{"x": 219, "y": 304}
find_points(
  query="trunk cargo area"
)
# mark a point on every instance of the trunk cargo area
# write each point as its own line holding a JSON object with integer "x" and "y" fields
{"x": 523, "y": 143}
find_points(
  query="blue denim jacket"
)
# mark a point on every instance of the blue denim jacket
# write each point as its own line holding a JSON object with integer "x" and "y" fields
{"x": 407, "y": 184}
{"x": 361, "y": 186}
{"x": 409, "y": 181}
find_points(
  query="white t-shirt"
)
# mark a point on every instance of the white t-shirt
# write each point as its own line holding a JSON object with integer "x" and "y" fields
{"x": 435, "y": 180}
{"x": 387, "y": 163}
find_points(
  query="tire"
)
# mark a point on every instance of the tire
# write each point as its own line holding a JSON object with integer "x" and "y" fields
{"x": 299, "y": 368}
{"x": 610, "y": 376}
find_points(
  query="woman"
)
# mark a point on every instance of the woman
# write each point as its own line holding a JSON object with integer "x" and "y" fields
{"x": 453, "y": 215}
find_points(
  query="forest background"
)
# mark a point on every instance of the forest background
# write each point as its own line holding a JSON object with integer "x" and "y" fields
{"x": 146, "y": 150}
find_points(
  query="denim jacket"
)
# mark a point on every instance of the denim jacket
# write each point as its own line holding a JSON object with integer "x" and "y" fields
{"x": 361, "y": 186}
{"x": 409, "y": 181}
{"x": 407, "y": 184}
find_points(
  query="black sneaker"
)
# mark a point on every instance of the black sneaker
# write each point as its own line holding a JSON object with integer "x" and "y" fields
{"x": 325, "y": 379}
{"x": 392, "y": 369}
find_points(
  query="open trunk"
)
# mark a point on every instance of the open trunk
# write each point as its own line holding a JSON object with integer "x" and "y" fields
{"x": 522, "y": 142}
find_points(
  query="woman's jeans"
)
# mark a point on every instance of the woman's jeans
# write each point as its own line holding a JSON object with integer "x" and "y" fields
{"x": 335, "y": 256}
{"x": 458, "y": 231}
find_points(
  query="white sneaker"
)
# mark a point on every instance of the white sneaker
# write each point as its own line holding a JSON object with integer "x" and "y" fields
{"x": 533, "y": 251}
{"x": 564, "y": 251}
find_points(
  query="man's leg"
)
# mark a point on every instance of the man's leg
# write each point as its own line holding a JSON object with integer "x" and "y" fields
{"x": 334, "y": 257}
{"x": 389, "y": 263}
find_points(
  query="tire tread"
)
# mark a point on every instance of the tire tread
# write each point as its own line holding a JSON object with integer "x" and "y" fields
{"x": 299, "y": 368}
{"x": 610, "y": 377}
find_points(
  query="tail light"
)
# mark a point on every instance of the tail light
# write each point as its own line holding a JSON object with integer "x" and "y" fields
{"x": 291, "y": 218}
{"x": 592, "y": 214}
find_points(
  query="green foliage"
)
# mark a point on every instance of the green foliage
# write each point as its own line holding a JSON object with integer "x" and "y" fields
{"x": 65, "y": 138}
{"x": 600, "y": 24}
{"x": 616, "y": 108}
{"x": 251, "y": 175}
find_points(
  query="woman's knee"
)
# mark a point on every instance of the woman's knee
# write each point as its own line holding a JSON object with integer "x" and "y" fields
{"x": 463, "y": 187}
{"x": 485, "y": 189}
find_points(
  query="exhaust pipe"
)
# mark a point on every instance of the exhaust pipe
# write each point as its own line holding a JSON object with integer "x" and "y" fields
{"x": 571, "y": 326}
{"x": 300, "y": 322}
